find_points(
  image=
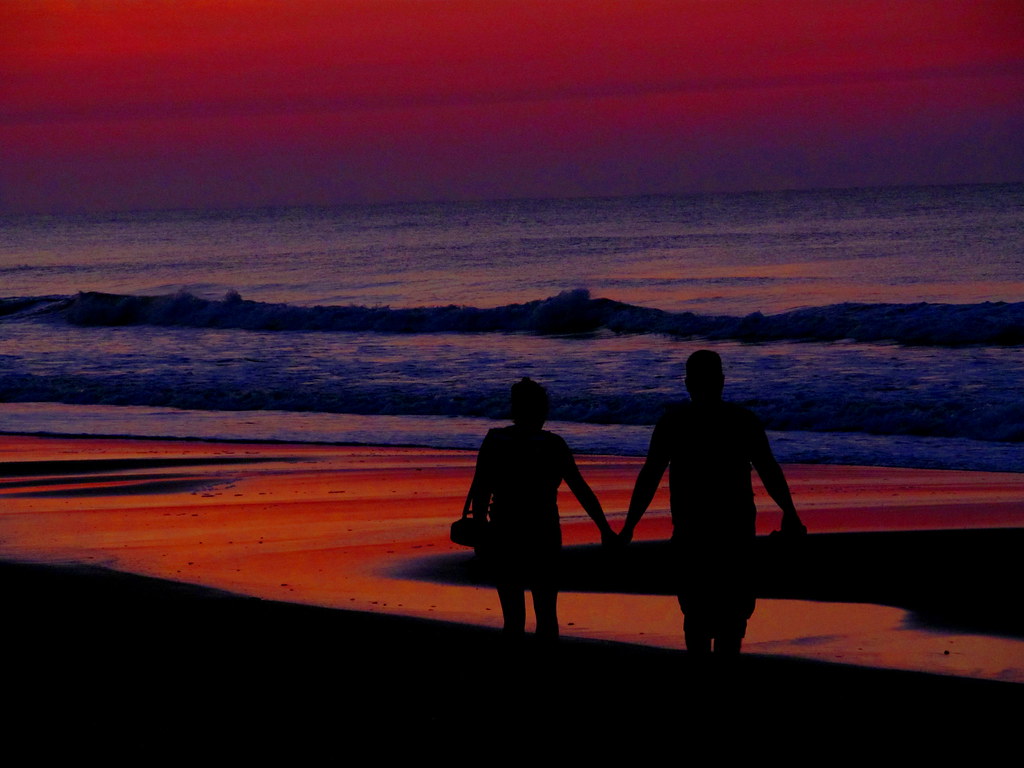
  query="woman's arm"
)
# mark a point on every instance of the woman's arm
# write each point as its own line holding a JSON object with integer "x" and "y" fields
{"x": 588, "y": 499}
{"x": 482, "y": 487}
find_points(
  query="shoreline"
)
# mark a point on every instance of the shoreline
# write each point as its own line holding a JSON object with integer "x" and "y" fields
{"x": 345, "y": 527}
{"x": 229, "y": 440}
{"x": 464, "y": 433}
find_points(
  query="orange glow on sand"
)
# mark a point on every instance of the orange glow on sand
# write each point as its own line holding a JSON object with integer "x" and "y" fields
{"x": 347, "y": 527}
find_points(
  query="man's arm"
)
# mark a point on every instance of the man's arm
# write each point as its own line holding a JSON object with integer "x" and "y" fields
{"x": 646, "y": 485}
{"x": 774, "y": 480}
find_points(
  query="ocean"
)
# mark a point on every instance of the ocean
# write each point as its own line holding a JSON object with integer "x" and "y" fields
{"x": 870, "y": 326}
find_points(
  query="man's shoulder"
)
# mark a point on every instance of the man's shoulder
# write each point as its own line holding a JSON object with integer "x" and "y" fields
{"x": 674, "y": 412}
{"x": 679, "y": 415}
{"x": 686, "y": 407}
{"x": 741, "y": 418}
{"x": 739, "y": 411}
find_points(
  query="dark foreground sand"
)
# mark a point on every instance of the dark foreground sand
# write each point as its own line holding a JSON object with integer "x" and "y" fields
{"x": 88, "y": 648}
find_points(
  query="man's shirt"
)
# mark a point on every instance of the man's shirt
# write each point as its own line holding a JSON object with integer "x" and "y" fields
{"x": 710, "y": 449}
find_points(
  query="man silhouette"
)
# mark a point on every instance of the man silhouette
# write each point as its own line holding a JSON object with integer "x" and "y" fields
{"x": 709, "y": 447}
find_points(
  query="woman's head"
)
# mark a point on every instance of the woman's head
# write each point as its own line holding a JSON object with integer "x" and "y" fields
{"x": 529, "y": 403}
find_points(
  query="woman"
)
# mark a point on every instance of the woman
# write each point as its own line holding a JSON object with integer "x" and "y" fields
{"x": 516, "y": 484}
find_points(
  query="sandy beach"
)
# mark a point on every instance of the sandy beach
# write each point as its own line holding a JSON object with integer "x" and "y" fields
{"x": 138, "y": 561}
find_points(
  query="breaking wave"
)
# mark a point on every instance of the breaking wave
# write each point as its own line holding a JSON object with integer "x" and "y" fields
{"x": 570, "y": 312}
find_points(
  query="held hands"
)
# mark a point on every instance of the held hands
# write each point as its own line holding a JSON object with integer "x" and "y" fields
{"x": 615, "y": 541}
{"x": 792, "y": 526}
{"x": 625, "y": 535}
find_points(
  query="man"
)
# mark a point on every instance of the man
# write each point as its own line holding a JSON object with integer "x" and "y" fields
{"x": 709, "y": 446}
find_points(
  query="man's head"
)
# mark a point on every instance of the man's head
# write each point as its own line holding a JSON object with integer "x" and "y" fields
{"x": 529, "y": 403}
{"x": 704, "y": 377}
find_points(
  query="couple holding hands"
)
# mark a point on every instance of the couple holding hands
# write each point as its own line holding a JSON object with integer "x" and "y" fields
{"x": 708, "y": 446}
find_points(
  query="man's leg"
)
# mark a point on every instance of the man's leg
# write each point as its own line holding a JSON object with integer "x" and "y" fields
{"x": 728, "y": 646}
{"x": 696, "y": 631}
{"x": 729, "y": 631}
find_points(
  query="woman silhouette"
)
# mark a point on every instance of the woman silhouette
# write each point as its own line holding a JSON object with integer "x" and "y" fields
{"x": 518, "y": 472}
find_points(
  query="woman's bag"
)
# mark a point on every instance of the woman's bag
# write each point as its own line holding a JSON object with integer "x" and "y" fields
{"x": 468, "y": 530}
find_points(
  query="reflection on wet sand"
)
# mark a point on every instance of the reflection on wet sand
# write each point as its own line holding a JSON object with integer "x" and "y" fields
{"x": 365, "y": 528}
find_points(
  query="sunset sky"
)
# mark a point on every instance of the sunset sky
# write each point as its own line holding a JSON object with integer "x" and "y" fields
{"x": 128, "y": 104}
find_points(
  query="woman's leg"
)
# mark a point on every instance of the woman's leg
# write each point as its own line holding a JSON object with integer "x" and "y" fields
{"x": 545, "y": 605}
{"x": 513, "y": 608}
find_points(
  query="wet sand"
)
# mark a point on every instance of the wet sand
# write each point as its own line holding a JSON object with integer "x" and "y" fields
{"x": 310, "y": 529}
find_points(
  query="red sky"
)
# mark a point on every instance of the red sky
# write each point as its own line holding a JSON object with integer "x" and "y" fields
{"x": 116, "y": 104}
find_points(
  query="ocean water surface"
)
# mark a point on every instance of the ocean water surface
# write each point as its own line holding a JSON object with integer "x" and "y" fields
{"x": 875, "y": 326}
